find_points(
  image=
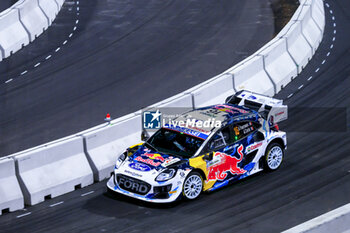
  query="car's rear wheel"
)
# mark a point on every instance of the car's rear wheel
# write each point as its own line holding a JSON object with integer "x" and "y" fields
{"x": 274, "y": 156}
{"x": 193, "y": 186}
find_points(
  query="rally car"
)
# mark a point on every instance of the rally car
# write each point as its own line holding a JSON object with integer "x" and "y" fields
{"x": 184, "y": 160}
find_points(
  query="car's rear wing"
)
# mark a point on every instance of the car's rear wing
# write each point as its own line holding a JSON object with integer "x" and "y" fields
{"x": 272, "y": 109}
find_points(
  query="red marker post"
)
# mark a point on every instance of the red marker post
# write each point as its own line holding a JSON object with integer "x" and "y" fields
{"x": 108, "y": 118}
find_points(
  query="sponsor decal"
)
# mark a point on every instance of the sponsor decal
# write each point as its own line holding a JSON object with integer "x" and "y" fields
{"x": 131, "y": 185}
{"x": 147, "y": 161}
{"x": 230, "y": 147}
{"x": 230, "y": 109}
{"x": 251, "y": 97}
{"x": 187, "y": 131}
{"x": 223, "y": 163}
{"x": 154, "y": 156}
{"x": 170, "y": 160}
{"x": 139, "y": 167}
{"x": 253, "y": 147}
{"x": 280, "y": 113}
{"x": 133, "y": 173}
{"x": 199, "y": 129}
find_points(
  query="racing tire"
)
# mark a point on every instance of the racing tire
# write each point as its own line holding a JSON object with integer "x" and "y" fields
{"x": 193, "y": 186}
{"x": 273, "y": 157}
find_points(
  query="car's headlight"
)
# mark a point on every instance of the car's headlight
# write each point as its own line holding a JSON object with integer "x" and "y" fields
{"x": 166, "y": 175}
{"x": 120, "y": 160}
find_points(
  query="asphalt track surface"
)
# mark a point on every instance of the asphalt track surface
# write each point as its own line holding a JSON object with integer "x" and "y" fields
{"x": 4, "y": 4}
{"x": 117, "y": 57}
{"x": 314, "y": 178}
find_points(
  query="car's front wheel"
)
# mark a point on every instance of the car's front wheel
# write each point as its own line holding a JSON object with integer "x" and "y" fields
{"x": 193, "y": 186}
{"x": 274, "y": 156}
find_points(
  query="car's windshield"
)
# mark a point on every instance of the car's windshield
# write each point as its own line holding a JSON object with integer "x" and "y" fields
{"x": 174, "y": 142}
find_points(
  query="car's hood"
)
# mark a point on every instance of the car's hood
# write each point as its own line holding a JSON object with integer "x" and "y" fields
{"x": 146, "y": 160}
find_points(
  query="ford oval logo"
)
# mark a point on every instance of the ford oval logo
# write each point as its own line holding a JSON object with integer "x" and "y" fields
{"x": 140, "y": 167}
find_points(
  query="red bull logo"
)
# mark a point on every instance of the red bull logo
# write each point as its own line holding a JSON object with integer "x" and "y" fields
{"x": 147, "y": 161}
{"x": 154, "y": 156}
{"x": 225, "y": 163}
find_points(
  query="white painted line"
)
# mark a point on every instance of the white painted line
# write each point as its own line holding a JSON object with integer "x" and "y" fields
{"x": 301, "y": 86}
{"x": 77, "y": 8}
{"x": 58, "y": 203}
{"x": 64, "y": 42}
{"x": 331, "y": 221}
{"x": 37, "y": 64}
{"x": 331, "y": 46}
{"x": 309, "y": 78}
{"x": 317, "y": 70}
{"x": 75, "y": 28}
{"x": 10, "y": 80}
{"x": 48, "y": 57}
{"x": 323, "y": 62}
{"x": 84, "y": 194}
{"x": 22, "y": 215}
{"x": 335, "y": 31}
{"x": 290, "y": 95}
{"x": 77, "y": 13}
{"x": 70, "y": 35}
{"x": 330, "y": 11}
{"x": 327, "y": 5}
{"x": 57, "y": 49}
{"x": 24, "y": 72}
{"x": 328, "y": 54}
{"x": 333, "y": 38}
{"x": 334, "y": 24}
{"x": 77, "y": 2}
{"x": 77, "y": 21}
{"x": 333, "y": 18}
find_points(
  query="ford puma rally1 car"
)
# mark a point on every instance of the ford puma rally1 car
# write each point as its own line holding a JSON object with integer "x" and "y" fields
{"x": 182, "y": 161}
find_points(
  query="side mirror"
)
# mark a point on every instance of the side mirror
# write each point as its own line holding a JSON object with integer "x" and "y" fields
{"x": 208, "y": 156}
{"x": 144, "y": 136}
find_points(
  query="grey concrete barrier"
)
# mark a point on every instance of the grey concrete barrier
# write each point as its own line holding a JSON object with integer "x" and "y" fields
{"x": 60, "y": 3}
{"x": 179, "y": 100}
{"x": 337, "y": 220}
{"x": 13, "y": 35}
{"x": 298, "y": 47}
{"x": 278, "y": 64}
{"x": 49, "y": 8}
{"x": 53, "y": 169}
{"x": 104, "y": 145}
{"x": 317, "y": 14}
{"x": 213, "y": 92}
{"x": 32, "y": 17}
{"x": 310, "y": 30}
{"x": 23, "y": 22}
{"x": 11, "y": 197}
{"x": 252, "y": 76}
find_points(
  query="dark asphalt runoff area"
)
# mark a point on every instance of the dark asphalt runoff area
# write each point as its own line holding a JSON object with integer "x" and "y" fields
{"x": 313, "y": 179}
{"x": 117, "y": 57}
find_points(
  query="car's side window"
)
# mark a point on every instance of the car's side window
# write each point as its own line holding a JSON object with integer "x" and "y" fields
{"x": 220, "y": 139}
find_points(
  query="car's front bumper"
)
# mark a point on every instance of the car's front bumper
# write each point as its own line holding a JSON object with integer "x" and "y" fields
{"x": 151, "y": 196}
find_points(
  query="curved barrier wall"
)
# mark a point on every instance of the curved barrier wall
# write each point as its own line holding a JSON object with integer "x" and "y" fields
{"x": 267, "y": 71}
{"x": 24, "y": 21}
